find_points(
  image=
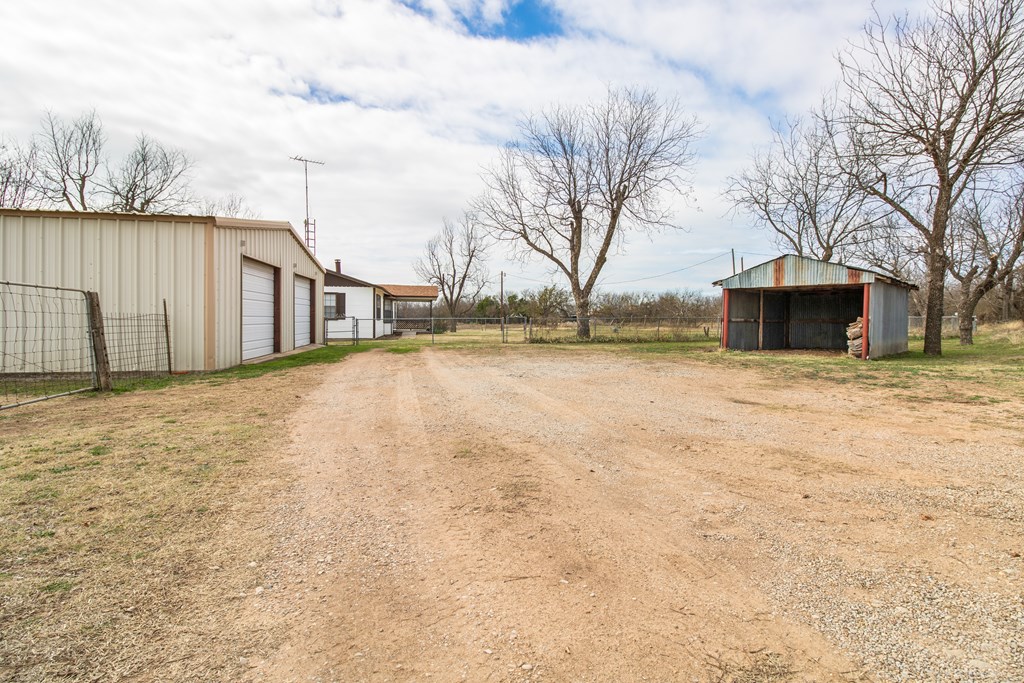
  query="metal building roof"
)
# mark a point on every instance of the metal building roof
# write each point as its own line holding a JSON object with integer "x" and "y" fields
{"x": 793, "y": 271}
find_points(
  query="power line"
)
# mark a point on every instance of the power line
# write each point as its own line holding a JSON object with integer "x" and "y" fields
{"x": 639, "y": 279}
{"x": 671, "y": 272}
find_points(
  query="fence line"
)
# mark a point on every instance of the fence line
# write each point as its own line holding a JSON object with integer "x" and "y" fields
{"x": 950, "y": 325}
{"x": 521, "y": 329}
{"x": 56, "y": 341}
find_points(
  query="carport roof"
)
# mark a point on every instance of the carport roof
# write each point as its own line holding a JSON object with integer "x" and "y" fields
{"x": 791, "y": 271}
{"x": 411, "y": 292}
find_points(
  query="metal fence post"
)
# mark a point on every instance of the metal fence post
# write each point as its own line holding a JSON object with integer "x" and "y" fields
{"x": 99, "y": 343}
{"x": 167, "y": 337}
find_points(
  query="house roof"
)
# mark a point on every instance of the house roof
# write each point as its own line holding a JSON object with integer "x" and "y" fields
{"x": 404, "y": 292}
{"x": 426, "y": 292}
{"x": 333, "y": 278}
{"x": 790, "y": 272}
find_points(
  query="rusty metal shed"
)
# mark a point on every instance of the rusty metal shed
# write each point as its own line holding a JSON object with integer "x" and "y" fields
{"x": 794, "y": 302}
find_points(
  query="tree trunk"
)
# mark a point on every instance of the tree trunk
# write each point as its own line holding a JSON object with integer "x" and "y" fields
{"x": 966, "y": 326}
{"x": 582, "y": 318}
{"x": 934, "y": 309}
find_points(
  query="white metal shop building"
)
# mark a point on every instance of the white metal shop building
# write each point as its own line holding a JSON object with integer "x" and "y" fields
{"x": 235, "y": 289}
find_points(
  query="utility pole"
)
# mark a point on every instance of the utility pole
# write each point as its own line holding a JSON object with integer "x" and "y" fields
{"x": 733, "y": 261}
{"x": 308, "y": 224}
{"x": 501, "y": 298}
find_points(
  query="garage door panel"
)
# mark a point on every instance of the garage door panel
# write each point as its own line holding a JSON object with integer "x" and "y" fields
{"x": 258, "y": 329}
{"x": 303, "y": 310}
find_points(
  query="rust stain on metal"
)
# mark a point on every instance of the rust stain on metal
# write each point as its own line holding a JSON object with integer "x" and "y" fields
{"x": 779, "y": 273}
{"x": 853, "y": 276}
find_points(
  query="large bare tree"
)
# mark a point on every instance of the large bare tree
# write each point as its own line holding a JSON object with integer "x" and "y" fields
{"x": 797, "y": 189}
{"x": 70, "y": 155}
{"x": 454, "y": 261}
{"x": 17, "y": 174}
{"x": 580, "y": 178}
{"x": 932, "y": 104}
{"x": 986, "y": 239}
{"x": 151, "y": 179}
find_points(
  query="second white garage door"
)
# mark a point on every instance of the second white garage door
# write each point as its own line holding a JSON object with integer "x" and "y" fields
{"x": 257, "y": 309}
{"x": 303, "y": 310}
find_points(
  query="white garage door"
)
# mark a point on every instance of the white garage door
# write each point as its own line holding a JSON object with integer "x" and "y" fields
{"x": 257, "y": 309}
{"x": 303, "y": 309}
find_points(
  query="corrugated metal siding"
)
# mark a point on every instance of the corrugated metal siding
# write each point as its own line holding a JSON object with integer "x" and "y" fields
{"x": 744, "y": 310}
{"x": 819, "y": 320}
{"x": 887, "y": 328}
{"x": 134, "y": 263}
{"x": 744, "y": 305}
{"x": 274, "y": 247}
{"x": 794, "y": 271}
{"x": 743, "y": 336}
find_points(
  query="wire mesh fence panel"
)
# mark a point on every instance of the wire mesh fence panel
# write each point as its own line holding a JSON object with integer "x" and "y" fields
{"x": 950, "y": 325}
{"x": 625, "y": 330}
{"x": 137, "y": 347}
{"x": 45, "y": 343}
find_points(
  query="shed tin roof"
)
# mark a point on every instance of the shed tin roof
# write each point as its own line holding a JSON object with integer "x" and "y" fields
{"x": 791, "y": 271}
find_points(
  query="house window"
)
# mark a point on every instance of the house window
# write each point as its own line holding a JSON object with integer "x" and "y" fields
{"x": 389, "y": 311}
{"x": 334, "y": 306}
{"x": 380, "y": 303}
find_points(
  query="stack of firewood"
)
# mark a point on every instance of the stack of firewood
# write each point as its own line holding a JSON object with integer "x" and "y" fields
{"x": 855, "y": 334}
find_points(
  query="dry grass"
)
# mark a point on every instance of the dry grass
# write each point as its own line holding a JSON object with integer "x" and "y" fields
{"x": 1010, "y": 332}
{"x": 756, "y": 667}
{"x": 127, "y": 527}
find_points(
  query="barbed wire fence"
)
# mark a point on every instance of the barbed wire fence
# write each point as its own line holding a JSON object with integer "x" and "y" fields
{"x": 55, "y": 341}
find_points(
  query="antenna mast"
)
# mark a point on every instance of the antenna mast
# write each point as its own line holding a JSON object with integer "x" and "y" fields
{"x": 309, "y": 225}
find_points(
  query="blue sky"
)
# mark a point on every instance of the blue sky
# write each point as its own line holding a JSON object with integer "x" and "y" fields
{"x": 407, "y": 100}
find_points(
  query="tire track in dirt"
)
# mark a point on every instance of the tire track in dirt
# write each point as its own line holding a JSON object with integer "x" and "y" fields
{"x": 542, "y": 516}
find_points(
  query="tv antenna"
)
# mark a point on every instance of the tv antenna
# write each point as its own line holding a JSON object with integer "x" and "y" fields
{"x": 310, "y": 225}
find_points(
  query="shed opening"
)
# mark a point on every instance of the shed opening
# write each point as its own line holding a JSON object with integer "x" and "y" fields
{"x": 760, "y": 319}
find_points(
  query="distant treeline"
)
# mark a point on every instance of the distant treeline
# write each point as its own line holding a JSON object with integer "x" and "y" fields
{"x": 557, "y": 302}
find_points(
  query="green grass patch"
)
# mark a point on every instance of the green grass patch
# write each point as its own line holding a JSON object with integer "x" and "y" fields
{"x": 99, "y": 450}
{"x": 57, "y": 587}
{"x": 967, "y": 374}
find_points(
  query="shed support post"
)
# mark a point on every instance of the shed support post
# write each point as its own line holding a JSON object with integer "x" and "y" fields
{"x": 866, "y": 316}
{"x": 725, "y": 318}
{"x": 760, "y": 323}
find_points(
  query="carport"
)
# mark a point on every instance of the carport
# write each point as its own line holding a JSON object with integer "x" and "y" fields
{"x": 794, "y": 302}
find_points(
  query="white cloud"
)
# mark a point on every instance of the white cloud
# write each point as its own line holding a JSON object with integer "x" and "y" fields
{"x": 421, "y": 104}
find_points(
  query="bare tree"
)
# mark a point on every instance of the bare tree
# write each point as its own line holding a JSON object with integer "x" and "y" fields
{"x": 986, "y": 238}
{"x": 151, "y": 179}
{"x": 798, "y": 190}
{"x": 229, "y": 206}
{"x": 17, "y": 174}
{"x": 582, "y": 177}
{"x": 931, "y": 105}
{"x": 70, "y": 154}
{"x": 454, "y": 261}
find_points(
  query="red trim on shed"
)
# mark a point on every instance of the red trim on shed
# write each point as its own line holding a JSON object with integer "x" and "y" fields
{"x": 725, "y": 318}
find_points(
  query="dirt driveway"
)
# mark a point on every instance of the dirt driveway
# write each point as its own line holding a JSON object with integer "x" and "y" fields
{"x": 564, "y": 515}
